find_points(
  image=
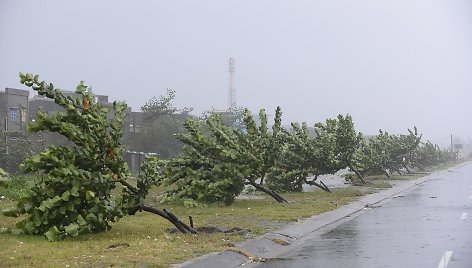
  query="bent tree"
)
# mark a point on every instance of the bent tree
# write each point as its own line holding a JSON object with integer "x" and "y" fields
{"x": 305, "y": 158}
{"x": 429, "y": 154}
{"x": 348, "y": 142}
{"x": 385, "y": 153}
{"x": 372, "y": 158}
{"x": 410, "y": 144}
{"x": 217, "y": 160}
{"x": 74, "y": 193}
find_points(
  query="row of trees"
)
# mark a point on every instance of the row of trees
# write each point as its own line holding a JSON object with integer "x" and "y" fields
{"x": 74, "y": 191}
{"x": 217, "y": 161}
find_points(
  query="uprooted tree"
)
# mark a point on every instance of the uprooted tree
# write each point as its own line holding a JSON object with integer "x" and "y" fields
{"x": 217, "y": 160}
{"x": 74, "y": 193}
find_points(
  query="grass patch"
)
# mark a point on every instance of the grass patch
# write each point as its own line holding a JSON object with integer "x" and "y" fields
{"x": 18, "y": 186}
{"x": 448, "y": 165}
{"x": 379, "y": 185}
{"x": 141, "y": 240}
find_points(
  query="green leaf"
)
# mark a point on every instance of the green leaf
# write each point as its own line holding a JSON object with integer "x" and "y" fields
{"x": 62, "y": 210}
{"x": 36, "y": 219}
{"x": 80, "y": 220}
{"x": 89, "y": 195}
{"x": 29, "y": 227}
{"x": 52, "y": 234}
{"x": 65, "y": 196}
{"x": 72, "y": 229}
{"x": 70, "y": 206}
{"x": 75, "y": 191}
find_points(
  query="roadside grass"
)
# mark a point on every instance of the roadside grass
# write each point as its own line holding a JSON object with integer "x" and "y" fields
{"x": 379, "y": 185}
{"x": 142, "y": 240}
{"x": 443, "y": 166}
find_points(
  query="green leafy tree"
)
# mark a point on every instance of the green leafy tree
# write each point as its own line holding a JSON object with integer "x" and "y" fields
{"x": 161, "y": 120}
{"x": 218, "y": 161}
{"x": 233, "y": 117}
{"x": 348, "y": 142}
{"x": 385, "y": 152}
{"x": 305, "y": 157}
{"x": 406, "y": 149}
{"x": 205, "y": 171}
{"x": 429, "y": 154}
{"x": 302, "y": 157}
{"x": 372, "y": 157}
{"x": 161, "y": 106}
{"x": 74, "y": 195}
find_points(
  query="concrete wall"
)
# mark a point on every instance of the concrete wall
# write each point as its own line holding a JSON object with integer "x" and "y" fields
{"x": 14, "y": 108}
{"x": 135, "y": 160}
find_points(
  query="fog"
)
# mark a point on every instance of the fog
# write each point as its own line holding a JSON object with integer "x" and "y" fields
{"x": 390, "y": 64}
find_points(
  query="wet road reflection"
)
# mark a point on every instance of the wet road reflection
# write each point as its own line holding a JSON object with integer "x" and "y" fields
{"x": 418, "y": 228}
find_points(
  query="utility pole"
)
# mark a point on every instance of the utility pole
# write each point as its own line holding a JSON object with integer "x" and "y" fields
{"x": 232, "y": 90}
{"x": 452, "y": 146}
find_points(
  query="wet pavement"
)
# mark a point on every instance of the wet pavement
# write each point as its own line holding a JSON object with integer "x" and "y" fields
{"x": 427, "y": 226}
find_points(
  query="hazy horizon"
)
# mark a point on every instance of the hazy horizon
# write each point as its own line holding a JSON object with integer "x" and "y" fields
{"x": 392, "y": 65}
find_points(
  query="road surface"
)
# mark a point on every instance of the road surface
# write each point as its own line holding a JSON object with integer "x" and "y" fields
{"x": 428, "y": 226}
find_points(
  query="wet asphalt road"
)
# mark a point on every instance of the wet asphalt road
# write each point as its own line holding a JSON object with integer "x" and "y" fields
{"x": 428, "y": 226}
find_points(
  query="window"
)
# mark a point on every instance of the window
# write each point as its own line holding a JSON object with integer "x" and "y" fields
{"x": 13, "y": 114}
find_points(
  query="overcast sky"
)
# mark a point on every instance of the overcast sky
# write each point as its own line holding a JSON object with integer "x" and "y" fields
{"x": 390, "y": 64}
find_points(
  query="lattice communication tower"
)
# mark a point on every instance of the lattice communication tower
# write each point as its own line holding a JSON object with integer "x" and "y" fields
{"x": 232, "y": 90}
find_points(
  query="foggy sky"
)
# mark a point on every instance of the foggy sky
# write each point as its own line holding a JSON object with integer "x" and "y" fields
{"x": 390, "y": 64}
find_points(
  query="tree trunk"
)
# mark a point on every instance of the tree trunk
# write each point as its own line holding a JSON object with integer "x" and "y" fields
{"x": 273, "y": 194}
{"x": 406, "y": 167}
{"x": 358, "y": 174}
{"x": 184, "y": 228}
{"x": 400, "y": 172}
{"x": 385, "y": 172}
{"x": 418, "y": 165}
{"x": 321, "y": 186}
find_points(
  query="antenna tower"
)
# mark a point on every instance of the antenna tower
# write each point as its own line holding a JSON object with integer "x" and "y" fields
{"x": 232, "y": 91}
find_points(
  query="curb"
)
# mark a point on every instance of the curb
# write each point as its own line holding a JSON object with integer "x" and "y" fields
{"x": 274, "y": 243}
